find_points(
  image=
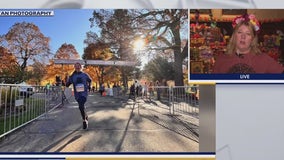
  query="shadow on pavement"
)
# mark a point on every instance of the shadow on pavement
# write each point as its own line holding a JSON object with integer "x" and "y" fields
{"x": 59, "y": 140}
{"x": 183, "y": 130}
{"x": 118, "y": 147}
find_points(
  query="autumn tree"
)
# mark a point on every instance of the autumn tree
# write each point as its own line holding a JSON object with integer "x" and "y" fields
{"x": 9, "y": 68}
{"x": 27, "y": 43}
{"x": 52, "y": 70}
{"x": 98, "y": 51}
{"x": 65, "y": 51}
{"x": 116, "y": 30}
{"x": 37, "y": 72}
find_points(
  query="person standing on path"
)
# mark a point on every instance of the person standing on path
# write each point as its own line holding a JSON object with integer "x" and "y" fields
{"x": 81, "y": 82}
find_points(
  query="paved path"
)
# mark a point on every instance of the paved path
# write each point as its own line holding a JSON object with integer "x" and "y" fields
{"x": 115, "y": 125}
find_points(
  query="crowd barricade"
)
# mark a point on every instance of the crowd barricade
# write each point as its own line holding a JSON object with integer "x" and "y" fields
{"x": 184, "y": 99}
{"x": 115, "y": 92}
{"x": 177, "y": 99}
{"x": 22, "y": 104}
{"x": 68, "y": 93}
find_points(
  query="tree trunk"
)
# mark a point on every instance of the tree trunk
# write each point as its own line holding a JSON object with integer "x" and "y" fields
{"x": 178, "y": 69}
{"x": 124, "y": 78}
{"x": 178, "y": 56}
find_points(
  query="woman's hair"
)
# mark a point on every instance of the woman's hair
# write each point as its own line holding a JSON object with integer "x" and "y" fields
{"x": 231, "y": 48}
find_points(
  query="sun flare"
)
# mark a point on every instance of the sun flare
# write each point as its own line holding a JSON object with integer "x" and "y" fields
{"x": 139, "y": 44}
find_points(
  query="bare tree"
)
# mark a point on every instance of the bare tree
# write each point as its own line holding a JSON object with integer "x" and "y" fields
{"x": 165, "y": 30}
{"x": 91, "y": 38}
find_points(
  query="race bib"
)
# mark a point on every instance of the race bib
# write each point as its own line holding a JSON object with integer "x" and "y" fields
{"x": 80, "y": 87}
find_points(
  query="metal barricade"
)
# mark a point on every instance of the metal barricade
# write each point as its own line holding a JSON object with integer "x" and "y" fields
{"x": 185, "y": 100}
{"x": 53, "y": 97}
{"x": 21, "y": 104}
{"x": 177, "y": 99}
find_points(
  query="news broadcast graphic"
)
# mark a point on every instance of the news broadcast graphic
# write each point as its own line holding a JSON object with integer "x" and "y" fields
{"x": 139, "y": 100}
{"x": 226, "y": 148}
{"x": 236, "y": 45}
{"x": 26, "y": 13}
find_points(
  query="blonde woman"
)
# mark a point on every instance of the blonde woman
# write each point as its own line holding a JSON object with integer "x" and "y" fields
{"x": 243, "y": 55}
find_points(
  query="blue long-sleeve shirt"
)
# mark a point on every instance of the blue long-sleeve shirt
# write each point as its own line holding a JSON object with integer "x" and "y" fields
{"x": 80, "y": 81}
